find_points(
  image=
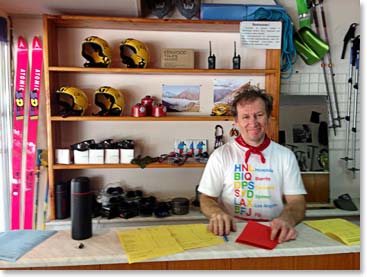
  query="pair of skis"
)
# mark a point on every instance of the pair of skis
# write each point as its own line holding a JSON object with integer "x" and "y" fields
{"x": 18, "y": 130}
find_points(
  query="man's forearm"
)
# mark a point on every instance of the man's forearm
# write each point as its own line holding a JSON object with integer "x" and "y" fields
{"x": 209, "y": 205}
{"x": 294, "y": 210}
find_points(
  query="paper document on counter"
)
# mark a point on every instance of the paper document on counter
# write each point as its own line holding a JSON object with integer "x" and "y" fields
{"x": 152, "y": 242}
{"x": 191, "y": 236}
{"x": 338, "y": 229}
{"x": 147, "y": 243}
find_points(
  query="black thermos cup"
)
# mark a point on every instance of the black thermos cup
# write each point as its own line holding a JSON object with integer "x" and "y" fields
{"x": 81, "y": 208}
{"x": 62, "y": 200}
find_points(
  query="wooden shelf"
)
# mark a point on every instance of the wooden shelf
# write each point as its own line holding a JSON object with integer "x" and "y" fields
{"x": 145, "y": 118}
{"x": 151, "y": 24}
{"x": 105, "y": 166}
{"x": 181, "y": 71}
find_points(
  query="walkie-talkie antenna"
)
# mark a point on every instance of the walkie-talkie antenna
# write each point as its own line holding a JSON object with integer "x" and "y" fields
{"x": 210, "y": 48}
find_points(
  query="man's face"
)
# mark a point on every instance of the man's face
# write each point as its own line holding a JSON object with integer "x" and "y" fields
{"x": 252, "y": 121}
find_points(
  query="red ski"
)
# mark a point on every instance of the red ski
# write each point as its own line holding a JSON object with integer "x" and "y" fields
{"x": 31, "y": 152}
{"x": 18, "y": 118}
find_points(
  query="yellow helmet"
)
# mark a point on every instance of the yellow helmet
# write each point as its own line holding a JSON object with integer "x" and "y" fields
{"x": 110, "y": 101}
{"x": 96, "y": 51}
{"x": 134, "y": 53}
{"x": 73, "y": 101}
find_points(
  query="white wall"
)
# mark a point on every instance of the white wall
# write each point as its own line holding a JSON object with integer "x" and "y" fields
{"x": 167, "y": 183}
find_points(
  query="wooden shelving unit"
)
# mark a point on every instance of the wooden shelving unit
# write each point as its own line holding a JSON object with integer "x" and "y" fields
{"x": 162, "y": 71}
{"x": 53, "y": 24}
{"x": 101, "y": 166}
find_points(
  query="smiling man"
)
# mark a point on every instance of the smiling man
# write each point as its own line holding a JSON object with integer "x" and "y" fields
{"x": 252, "y": 177}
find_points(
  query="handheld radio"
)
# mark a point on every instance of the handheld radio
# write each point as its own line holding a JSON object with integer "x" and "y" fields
{"x": 236, "y": 59}
{"x": 211, "y": 58}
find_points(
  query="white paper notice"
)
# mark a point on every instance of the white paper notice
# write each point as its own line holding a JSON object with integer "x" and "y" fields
{"x": 261, "y": 34}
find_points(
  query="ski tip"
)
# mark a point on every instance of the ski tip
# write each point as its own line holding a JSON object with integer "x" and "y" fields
{"x": 22, "y": 44}
{"x": 36, "y": 44}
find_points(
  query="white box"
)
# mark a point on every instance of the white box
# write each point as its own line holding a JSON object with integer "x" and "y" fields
{"x": 96, "y": 156}
{"x": 81, "y": 157}
{"x": 112, "y": 156}
{"x": 62, "y": 156}
{"x": 126, "y": 155}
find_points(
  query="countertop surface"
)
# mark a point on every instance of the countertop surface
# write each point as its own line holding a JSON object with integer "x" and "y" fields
{"x": 104, "y": 248}
{"x": 195, "y": 216}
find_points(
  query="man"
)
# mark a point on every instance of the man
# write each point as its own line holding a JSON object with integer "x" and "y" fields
{"x": 252, "y": 177}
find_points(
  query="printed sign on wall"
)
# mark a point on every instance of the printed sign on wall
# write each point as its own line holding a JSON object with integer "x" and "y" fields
{"x": 261, "y": 34}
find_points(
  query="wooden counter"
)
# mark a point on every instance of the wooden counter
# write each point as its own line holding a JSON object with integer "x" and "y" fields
{"x": 312, "y": 250}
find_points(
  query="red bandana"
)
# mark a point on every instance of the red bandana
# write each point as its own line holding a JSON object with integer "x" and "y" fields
{"x": 253, "y": 149}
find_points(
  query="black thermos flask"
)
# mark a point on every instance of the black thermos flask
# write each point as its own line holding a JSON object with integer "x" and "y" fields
{"x": 81, "y": 208}
{"x": 62, "y": 200}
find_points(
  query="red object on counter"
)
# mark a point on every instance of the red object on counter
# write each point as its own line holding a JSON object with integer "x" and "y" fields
{"x": 257, "y": 234}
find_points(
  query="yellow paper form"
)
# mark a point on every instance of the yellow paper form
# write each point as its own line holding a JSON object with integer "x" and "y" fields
{"x": 338, "y": 229}
{"x": 147, "y": 243}
{"x": 151, "y": 242}
{"x": 194, "y": 236}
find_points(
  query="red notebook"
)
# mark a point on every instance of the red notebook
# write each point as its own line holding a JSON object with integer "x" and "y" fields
{"x": 257, "y": 234}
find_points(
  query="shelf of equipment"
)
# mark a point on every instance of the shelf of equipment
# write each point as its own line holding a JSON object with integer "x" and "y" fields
{"x": 52, "y": 24}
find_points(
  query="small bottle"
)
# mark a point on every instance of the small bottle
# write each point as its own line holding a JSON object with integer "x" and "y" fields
{"x": 62, "y": 200}
{"x": 81, "y": 208}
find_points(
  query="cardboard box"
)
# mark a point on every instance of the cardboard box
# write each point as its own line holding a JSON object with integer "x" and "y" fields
{"x": 96, "y": 156}
{"x": 177, "y": 58}
{"x": 227, "y": 11}
{"x": 81, "y": 157}
{"x": 62, "y": 156}
{"x": 126, "y": 155}
{"x": 112, "y": 156}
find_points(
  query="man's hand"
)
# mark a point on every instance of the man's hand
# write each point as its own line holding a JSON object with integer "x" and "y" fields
{"x": 283, "y": 229}
{"x": 221, "y": 224}
{"x": 292, "y": 214}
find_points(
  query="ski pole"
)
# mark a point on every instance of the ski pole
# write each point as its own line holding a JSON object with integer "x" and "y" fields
{"x": 348, "y": 36}
{"x": 38, "y": 167}
{"x": 352, "y": 59}
{"x": 329, "y": 100}
{"x": 45, "y": 206}
{"x": 330, "y": 63}
{"x": 356, "y": 47}
{"x": 44, "y": 162}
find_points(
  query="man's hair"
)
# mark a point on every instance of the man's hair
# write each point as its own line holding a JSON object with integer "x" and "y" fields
{"x": 250, "y": 94}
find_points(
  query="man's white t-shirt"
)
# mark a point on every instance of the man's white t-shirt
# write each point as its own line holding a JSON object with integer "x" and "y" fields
{"x": 255, "y": 190}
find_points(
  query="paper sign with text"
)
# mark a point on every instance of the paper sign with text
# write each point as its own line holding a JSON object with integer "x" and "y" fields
{"x": 261, "y": 34}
